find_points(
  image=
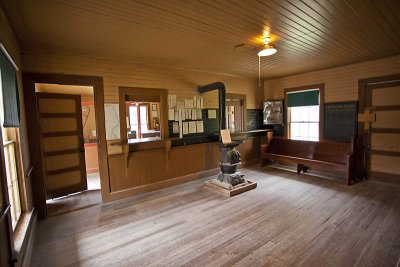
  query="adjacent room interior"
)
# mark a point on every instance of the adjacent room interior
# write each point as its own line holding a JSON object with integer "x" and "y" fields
{"x": 204, "y": 133}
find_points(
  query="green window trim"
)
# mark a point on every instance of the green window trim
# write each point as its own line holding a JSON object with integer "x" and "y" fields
{"x": 303, "y": 98}
{"x": 10, "y": 92}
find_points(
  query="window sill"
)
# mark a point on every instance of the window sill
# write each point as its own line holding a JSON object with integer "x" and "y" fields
{"x": 21, "y": 234}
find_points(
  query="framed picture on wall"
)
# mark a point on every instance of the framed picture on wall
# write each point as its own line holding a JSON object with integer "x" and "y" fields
{"x": 153, "y": 107}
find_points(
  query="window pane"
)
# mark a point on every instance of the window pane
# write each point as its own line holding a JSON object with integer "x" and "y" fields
{"x": 304, "y": 123}
{"x": 294, "y": 129}
{"x": 304, "y": 131}
{"x": 133, "y": 119}
{"x": 294, "y": 113}
{"x": 313, "y": 130}
{"x": 304, "y": 113}
{"x": 314, "y": 113}
{"x": 143, "y": 114}
{"x": 143, "y": 119}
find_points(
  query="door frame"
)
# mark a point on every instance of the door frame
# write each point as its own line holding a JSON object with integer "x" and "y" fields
{"x": 29, "y": 81}
{"x": 363, "y": 85}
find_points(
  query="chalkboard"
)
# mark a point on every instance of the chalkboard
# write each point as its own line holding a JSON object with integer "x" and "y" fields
{"x": 340, "y": 120}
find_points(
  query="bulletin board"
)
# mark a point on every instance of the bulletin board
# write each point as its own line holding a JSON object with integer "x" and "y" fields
{"x": 340, "y": 120}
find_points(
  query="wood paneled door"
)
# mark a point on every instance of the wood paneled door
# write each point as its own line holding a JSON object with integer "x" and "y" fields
{"x": 61, "y": 141}
{"x": 382, "y": 129}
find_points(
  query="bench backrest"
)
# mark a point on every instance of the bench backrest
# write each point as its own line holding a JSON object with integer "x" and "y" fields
{"x": 325, "y": 150}
{"x": 293, "y": 148}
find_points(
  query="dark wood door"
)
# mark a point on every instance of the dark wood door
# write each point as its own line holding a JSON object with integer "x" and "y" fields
{"x": 382, "y": 99}
{"x": 61, "y": 141}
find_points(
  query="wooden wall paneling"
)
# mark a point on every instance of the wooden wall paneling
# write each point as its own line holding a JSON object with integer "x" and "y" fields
{"x": 385, "y": 141}
{"x": 151, "y": 169}
{"x": 118, "y": 173}
{"x": 385, "y": 164}
{"x": 341, "y": 83}
{"x": 115, "y": 73}
{"x": 91, "y": 158}
{"x": 147, "y": 166}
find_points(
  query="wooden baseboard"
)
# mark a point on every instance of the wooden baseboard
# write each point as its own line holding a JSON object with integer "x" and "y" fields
{"x": 385, "y": 178}
{"x": 159, "y": 185}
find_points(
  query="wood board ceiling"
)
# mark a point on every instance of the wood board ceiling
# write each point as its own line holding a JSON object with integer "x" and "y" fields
{"x": 202, "y": 34}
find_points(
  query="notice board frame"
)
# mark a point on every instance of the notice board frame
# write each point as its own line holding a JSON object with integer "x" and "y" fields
{"x": 340, "y": 120}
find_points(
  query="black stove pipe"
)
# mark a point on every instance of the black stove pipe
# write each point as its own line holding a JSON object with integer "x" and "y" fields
{"x": 221, "y": 101}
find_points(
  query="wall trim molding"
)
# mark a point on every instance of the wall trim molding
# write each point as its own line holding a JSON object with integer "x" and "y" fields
{"x": 117, "y": 195}
{"x": 160, "y": 185}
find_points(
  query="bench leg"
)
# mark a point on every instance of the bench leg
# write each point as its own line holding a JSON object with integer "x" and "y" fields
{"x": 301, "y": 168}
{"x": 263, "y": 162}
{"x": 348, "y": 177}
{"x": 305, "y": 168}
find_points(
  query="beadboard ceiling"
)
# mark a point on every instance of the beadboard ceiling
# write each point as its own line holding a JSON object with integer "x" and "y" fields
{"x": 202, "y": 34}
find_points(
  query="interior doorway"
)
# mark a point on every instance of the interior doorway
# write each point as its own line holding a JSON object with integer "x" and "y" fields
{"x": 69, "y": 147}
{"x": 380, "y": 108}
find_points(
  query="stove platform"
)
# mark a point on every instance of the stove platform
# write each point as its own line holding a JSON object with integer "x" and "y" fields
{"x": 228, "y": 190}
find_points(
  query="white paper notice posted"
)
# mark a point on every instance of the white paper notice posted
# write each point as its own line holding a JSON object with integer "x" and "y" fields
{"x": 199, "y": 126}
{"x": 185, "y": 127}
{"x": 212, "y": 113}
{"x": 175, "y": 127}
{"x": 192, "y": 127}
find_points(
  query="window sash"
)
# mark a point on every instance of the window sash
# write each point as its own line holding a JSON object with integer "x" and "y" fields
{"x": 304, "y": 123}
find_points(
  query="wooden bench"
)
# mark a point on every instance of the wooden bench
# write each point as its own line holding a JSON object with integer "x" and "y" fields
{"x": 329, "y": 155}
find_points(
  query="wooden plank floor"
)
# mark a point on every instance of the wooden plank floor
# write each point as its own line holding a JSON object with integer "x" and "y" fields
{"x": 77, "y": 201}
{"x": 288, "y": 220}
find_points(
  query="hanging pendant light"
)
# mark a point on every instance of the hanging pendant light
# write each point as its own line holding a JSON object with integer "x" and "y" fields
{"x": 267, "y": 50}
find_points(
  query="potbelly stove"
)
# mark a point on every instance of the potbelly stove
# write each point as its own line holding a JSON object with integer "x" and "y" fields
{"x": 229, "y": 161}
{"x": 230, "y": 181}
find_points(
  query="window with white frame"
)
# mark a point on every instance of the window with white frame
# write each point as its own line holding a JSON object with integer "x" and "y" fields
{"x": 11, "y": 167}
{"x": 303, "y": 115}
{"x": 143, "y": 124}
{"x": 304, "y": 123}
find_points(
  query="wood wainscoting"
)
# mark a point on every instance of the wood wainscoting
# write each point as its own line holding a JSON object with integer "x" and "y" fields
{"x": 151, "y": 169}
